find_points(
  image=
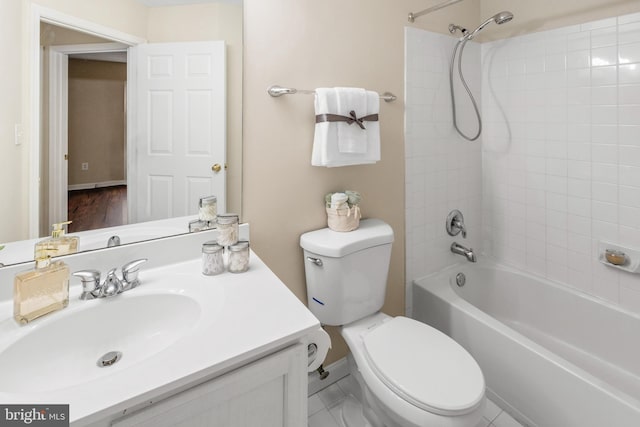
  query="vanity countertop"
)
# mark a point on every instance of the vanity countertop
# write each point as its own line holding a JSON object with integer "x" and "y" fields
{"x": 222, "y": 322}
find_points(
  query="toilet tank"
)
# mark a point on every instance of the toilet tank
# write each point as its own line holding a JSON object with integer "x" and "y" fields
{"x": 346, "y": 272}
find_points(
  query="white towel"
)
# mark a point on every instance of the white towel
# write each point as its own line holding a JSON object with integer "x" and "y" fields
{"x": 325, "y": 139}
{"x": 351, "y": 137}
{"x": 341, "y": 144}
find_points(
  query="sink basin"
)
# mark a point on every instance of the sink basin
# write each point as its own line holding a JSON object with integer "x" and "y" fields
{"x": 64, "y": 352}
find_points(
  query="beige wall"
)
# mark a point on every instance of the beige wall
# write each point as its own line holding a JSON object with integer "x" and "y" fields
{"x": 128, "y": 16}
{"x": 212, "y": 22}
{"x": 13, "y": 223}
{"x": 313, "y": 44}
{"x": 96, "y": 121}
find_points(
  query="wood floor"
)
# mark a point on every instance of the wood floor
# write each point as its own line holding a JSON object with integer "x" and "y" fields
{"x": 97, "y": 208}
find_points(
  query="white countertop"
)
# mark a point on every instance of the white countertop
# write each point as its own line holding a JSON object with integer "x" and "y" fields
{"x": 245, "y": 316}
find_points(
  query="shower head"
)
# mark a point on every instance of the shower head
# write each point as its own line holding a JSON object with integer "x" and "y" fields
{"x": 502, "y": 17}
{"x": 498, "y": 18}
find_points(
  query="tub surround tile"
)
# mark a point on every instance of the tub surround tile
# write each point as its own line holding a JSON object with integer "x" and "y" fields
{"x": 443, "y": 171}
{"x": 582, "y": 156}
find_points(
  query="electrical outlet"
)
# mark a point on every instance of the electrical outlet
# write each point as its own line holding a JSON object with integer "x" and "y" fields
{"x": 85, "y": 166}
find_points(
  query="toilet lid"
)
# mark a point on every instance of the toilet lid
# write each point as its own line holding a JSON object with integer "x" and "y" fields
{"x": 424, "y": 366}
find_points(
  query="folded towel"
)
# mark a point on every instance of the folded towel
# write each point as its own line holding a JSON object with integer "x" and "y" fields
{"x": 352, "y": 141}
{"x": 325, "y": 139}
{"x": 352, "y": 138}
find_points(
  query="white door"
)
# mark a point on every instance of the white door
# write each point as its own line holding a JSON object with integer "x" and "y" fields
{"x": 58, "y": 137}
{"x": 178, "y": 138}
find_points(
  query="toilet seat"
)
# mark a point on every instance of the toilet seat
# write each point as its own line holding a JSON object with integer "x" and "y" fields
{"x": 424, "y": 367}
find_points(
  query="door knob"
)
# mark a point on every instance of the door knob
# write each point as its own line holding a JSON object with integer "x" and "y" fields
{"x": 216, "y": 168}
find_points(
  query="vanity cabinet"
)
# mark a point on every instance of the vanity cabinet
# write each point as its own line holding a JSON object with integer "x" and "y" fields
{"x": 270, "y": 392}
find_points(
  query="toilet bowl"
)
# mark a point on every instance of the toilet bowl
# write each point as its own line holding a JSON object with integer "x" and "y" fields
{"x": 410, "y": 374}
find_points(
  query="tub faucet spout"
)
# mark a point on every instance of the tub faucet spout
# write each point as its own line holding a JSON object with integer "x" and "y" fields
{"x": 458, "y": 249}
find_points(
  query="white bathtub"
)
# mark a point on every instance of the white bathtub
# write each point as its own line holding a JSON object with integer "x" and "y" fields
{"x": 551, "y": 355}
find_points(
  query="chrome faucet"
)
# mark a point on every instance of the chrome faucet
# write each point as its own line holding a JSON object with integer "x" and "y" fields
{"x": 112, "y": 285}
{"x": 458, "y": 249}
{"x": 113, "y": 241}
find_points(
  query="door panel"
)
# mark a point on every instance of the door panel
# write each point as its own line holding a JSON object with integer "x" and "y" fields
{"x": 180, "y": 128}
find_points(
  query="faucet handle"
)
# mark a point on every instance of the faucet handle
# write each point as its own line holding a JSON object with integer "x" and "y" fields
{"x": 455, "y": 224}
{"x": 90, "y": 282}
{"x": 461, "y": 227}
{"x": 130, "y": 272}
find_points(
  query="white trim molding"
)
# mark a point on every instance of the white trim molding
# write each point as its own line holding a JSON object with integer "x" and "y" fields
{"x": 92, "y": 185}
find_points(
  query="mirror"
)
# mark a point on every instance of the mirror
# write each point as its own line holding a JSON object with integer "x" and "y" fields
{"x": 188, "y": 22}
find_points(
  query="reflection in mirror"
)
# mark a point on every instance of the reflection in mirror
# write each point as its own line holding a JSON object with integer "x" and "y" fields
{"x": 98, "y": 179}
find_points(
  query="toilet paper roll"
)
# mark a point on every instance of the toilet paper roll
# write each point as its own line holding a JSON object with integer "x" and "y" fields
{"x": 320, "y": 339}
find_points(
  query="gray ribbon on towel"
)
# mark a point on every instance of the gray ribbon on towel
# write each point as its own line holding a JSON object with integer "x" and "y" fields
{"x": 351, "y": 119}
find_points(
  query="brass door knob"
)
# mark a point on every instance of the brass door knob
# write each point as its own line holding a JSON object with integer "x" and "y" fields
{"x": 216, "y": 168}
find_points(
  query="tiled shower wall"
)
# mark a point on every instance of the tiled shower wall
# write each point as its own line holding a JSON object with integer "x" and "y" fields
{"x": 443, "y": 172}
{"x": 559, "y": 169}
{"x": 561, "y": 153}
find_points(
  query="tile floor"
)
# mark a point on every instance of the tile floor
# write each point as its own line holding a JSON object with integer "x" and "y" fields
{"x": 324, "y": 407}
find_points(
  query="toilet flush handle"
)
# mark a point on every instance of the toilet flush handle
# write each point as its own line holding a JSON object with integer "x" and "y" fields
{"x": 316, "y": 261}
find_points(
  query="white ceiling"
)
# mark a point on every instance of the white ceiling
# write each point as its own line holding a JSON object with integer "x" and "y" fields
{"x": 154, "y": 3}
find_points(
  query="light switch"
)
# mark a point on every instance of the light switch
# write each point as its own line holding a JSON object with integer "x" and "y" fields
{"x": 18, "y": 133}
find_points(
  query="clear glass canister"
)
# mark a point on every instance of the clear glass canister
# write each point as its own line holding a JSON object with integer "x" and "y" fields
{"x": 239, "y": 257}
{"x": 212, "y": 259}
{"x": 208, "y": 208}
{"x": 228, "y": 229}
{"x": 198, "y": 225}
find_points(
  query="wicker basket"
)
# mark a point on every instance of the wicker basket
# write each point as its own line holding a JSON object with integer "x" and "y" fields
{"x": 343, "y": 219}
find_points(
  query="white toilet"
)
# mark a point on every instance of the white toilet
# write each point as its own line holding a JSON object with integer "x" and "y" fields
{"x": 410, "y": 374}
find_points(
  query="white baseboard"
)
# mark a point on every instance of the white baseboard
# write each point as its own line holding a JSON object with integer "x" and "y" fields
{"x": 337, "y": 370}
{"x": 91, "y": 185}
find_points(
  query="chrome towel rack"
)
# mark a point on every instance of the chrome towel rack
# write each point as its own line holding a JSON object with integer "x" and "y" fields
{"x": 277, "y": 91}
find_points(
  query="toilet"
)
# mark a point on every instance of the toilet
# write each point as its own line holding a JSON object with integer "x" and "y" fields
{"x": 409, "y": 374}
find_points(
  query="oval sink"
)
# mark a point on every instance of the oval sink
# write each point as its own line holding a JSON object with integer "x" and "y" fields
{"x": 63, "y": 352}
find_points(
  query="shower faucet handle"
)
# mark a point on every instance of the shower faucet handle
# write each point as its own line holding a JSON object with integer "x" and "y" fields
{"x": 455, "y": 224}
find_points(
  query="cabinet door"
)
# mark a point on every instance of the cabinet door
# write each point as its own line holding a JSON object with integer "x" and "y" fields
{"x": 270, "y": 392}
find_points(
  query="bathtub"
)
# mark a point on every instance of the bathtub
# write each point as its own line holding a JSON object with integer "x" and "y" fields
{"x": 552, "y": 356}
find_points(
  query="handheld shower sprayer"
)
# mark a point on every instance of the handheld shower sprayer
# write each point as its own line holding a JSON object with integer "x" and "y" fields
{"x": 498, "y": 18}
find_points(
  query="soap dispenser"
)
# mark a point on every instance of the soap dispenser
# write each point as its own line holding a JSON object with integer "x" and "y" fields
{"x": 58, "y": 241}
{"x": 40, "y": 291}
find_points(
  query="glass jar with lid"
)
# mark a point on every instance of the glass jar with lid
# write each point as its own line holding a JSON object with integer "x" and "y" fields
{"x": 208, "y": 208}
{"x": 228, "y": 229}
{"x": 239, "y": 257}
{"x": 212, "y": 258}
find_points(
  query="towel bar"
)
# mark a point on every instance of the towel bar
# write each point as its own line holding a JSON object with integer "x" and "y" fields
{"x": 276, "y": 91}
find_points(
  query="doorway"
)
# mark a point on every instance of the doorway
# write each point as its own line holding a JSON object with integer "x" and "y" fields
{"x": 43, "y": 127}
{"x": 97, "y": 134}
{"x": 85, "y": 137}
